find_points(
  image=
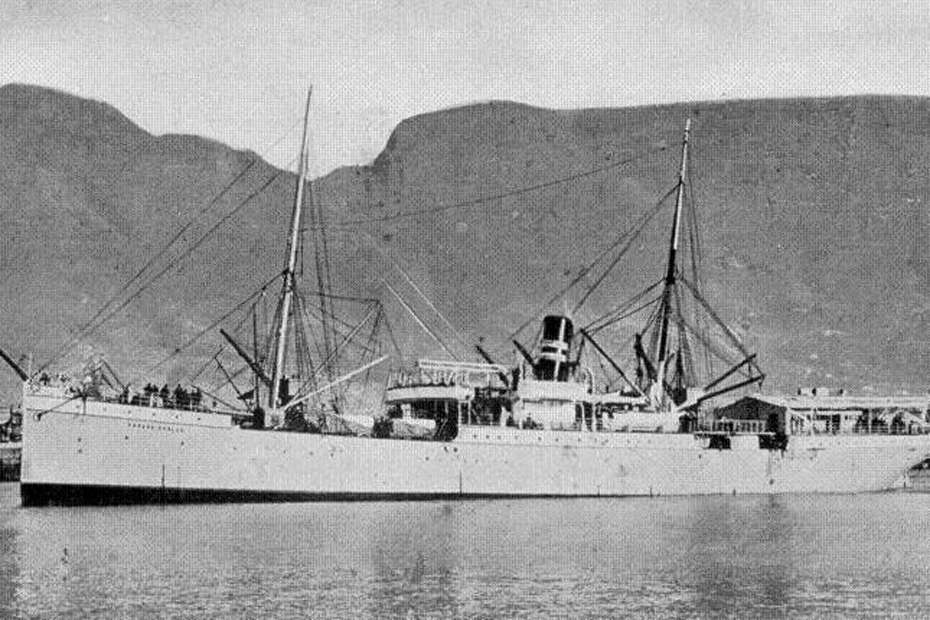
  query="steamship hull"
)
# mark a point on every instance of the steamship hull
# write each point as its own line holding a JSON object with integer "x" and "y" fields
{"x": 87, "y": 452}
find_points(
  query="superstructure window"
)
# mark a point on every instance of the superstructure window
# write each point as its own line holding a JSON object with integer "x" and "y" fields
{"x": 433, "y": 409}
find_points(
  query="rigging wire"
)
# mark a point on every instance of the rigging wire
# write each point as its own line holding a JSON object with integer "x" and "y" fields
{"x": 373, "y": 341}
{"x": 228, "y": 378}
{"x": 623, "y": 237}
{"x": 152, "y": 260}
{"x": 501, "y": 195}
{"x": 685, "y": 361}
{"x": 171, "y": 264}
{"x": 301, "y": 350}
{"x": 734, "y": 339}
{"x": 390, "y": 331}
{"x": 419, "y": 321}
{"x": 609, "y": 316}
{"x": 318, "y": 270}
{"x": 193, "y": 379}
{"x": 710, "y": 346}
{"x": 612, "y": 321}
{"x": 333, "y": 355}
{"x": 306, "y": 332}
{"x": 212, "y": 326}
{"x": 271, "y": 335}
{"x": 336, "y": 320}
{"x": 347, "y": 339}
{"x": 222, "y": 348}
{"x": 630, "y": 236}
{"x": 623, "y": 252}
{"x": 326, "y": 278}
{"x": 155, "y": 257}
{"x": 396, "y": 264}
{"x": 697, "y": 257}
{"x": 310, "y": 321}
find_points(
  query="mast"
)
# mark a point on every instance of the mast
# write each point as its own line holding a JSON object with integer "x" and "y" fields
{"x": 256, "y": 382}
{"x": 22, "y": 374}
{"x": 288, "y": 289}
{"x": 670, "y": 273}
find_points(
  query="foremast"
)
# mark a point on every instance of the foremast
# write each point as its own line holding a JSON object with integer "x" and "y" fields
{"x": 288, "y": 276}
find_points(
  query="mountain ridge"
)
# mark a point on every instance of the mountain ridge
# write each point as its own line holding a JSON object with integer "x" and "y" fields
{"x": 813, "y": 249}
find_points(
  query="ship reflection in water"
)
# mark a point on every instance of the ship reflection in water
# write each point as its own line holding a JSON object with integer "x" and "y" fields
{"x": 744, "y": 556}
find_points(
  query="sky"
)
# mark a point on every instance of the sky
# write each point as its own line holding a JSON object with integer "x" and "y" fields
{"x": 238, "y": 72}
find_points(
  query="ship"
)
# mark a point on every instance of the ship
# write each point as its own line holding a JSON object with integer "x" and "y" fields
{"x": 452, "y": 428}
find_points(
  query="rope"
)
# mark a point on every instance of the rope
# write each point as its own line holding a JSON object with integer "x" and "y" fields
{"x": 82, "y": 330}
{"x": 623, "y": 252}
{"x": 171, "y": 264}
{"x": 595, "y": 329}
{"x": 200, "y": 371}
{"x": 624, "y": 236}
{"x": 734, "y": 339}
{"x": 212, "y": 326}
{"x": 505, "y": 194}
{"x": 606, "y": 318}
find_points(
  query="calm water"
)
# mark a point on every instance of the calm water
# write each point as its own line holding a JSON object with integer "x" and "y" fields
{"x": 686, "y": 557}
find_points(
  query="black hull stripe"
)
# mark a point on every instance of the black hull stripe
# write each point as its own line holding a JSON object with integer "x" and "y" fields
{"x": 102, "y": 495}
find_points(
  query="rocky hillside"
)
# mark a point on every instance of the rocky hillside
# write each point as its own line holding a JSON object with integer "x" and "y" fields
{"x": 813, "y": 219}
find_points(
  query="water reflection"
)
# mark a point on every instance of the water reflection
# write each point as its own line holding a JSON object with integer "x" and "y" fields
{"x": 708, "y": 557}
{"x": 740, "y": 554}
{"x": 414, "y": 556}
{"x": 9, "y": 570}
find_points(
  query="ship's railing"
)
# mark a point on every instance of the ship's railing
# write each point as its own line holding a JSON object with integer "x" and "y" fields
{"x": 909, "y": 429}
{"x": 137, "y": 399}
{"x": 887, "y": 422}
{"x": 734, "y": 427}
{"x": 157, "y": 402}
{"x": 824, "y": 427}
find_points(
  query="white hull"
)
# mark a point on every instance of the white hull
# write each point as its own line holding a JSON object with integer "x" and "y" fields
{"x": 77, "y": 451}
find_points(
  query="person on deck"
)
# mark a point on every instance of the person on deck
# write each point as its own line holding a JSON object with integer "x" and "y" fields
{"x": 196, "y": 398}
{"x": 181, "y": 399}
{"x": 149, "y": 390}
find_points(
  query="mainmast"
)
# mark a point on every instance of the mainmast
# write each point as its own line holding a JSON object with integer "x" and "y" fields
{"x": 671, "y": 271}
{"x": 288, "y": 290}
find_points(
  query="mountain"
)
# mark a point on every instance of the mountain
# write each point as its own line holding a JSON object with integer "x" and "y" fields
{"x": 87, "y": 197}
{"x": 812, "y": 216}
